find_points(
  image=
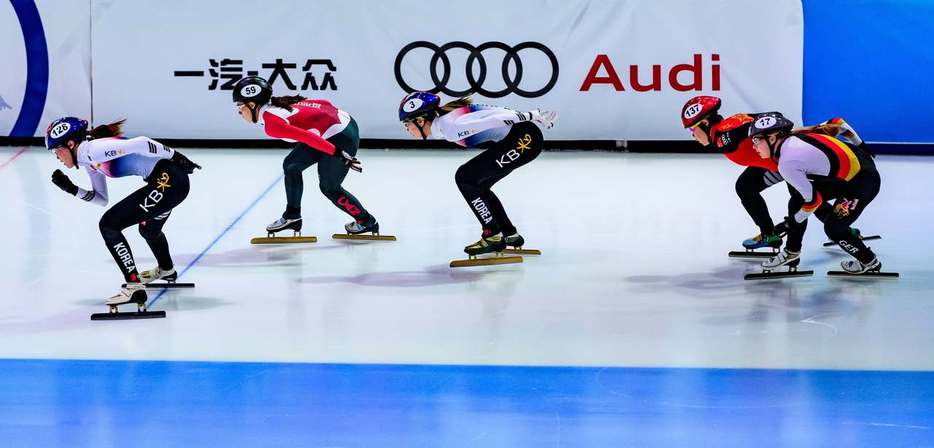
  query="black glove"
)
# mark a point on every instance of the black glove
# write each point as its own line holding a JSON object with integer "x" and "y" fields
{"x": 62, "y": 181}
{"x": 185, "y": 163}
{"x": 349, "y": 160}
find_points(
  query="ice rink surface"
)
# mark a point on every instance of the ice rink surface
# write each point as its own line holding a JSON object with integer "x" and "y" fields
{"x": 634, "y": 314}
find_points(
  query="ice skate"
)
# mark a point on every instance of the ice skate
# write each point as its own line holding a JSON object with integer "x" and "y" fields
{"x": 294, "y": 224}
{"x": 356, "y": 229}
{"x": 770, "y": 242}
{"x": 514, "y": 244}
{"x": 784, "y": 258}
{"x": 151, "y": 279}
{"x": 491, "y": 244}
{"x": 856, "y": 268}
{"x": 857, "y": 234}
{"x": 129, "y": 293}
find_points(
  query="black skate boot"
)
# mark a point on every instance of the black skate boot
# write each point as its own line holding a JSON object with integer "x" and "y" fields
{"x": 515, "y": 240}
{"x": 486, "y": 245}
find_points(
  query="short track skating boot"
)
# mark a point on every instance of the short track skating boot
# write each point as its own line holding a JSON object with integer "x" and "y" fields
{"x": 760, "y": 241}
{"x": 785, "y": 257}
{"x": 857, "y": 267}
{"x": 515, "y": 240}
{"x": 158, "y": 273}
{"x": 281, "y": 224}
{"x": 356, "y": 227}
{"x": 489, "y": 244}
{"x": 132, "y": 292}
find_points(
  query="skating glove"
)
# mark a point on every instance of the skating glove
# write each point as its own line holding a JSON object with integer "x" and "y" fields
{"x": 349, "y": 160}
{"x": 185, "y": 163}
{"x": 62, "y": 181}
{"x": 545, "y": 119}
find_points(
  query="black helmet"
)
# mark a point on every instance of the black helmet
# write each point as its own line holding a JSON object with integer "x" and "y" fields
{"x": 769, "y": 122}
{"x": 252, "y": 88}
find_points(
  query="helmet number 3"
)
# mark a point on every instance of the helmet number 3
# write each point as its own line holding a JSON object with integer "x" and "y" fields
{"x": 412, "y": 105}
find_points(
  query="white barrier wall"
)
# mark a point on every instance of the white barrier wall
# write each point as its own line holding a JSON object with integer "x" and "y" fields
{"x": 59, "y": 71}
{"x": 613, "y": 69}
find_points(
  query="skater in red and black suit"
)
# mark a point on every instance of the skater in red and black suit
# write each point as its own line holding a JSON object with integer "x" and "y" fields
{"x": 324, "y": 135}
{"x": 510, "y": 139}
{"x": 729, "y": 136}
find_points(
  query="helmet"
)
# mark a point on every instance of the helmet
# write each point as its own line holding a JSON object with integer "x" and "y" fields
{"x": 65, "y": 129}
{"x": 698, "y": 108}
{"x": 769, "y": 122}
{"x": 417, "y": 104}
{"x": 252, "y": 88}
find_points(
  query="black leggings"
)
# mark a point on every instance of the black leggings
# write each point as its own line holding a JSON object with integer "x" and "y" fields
{"x": 150, "y": 206}
{"x": 749, "y": 187}
{"x": 475, "y": 178}
{"x": 331, "y": 173}
{"x": 839, "y": 217}
{"x": 847, "y": 207}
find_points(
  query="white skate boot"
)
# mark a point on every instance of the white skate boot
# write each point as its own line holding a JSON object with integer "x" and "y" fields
{"x": 855, "y": 266}
{"x": 158, "y": 274}
{"x": 132, "y": 292}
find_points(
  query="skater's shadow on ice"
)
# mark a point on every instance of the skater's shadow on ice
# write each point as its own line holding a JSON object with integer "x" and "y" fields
{"x": 249, "y": 257}
{"x": 167, "y": 302}
{"x": 432, "y": 276}
{"x": 714, "y": 282}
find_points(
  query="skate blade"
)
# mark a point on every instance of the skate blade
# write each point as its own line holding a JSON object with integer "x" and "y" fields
{"x": 284, "y": 240}
{"x": 521, "y": 251}
{"x": 777, "y": 275}
{"x": 166, "y": 285}
{"x": 485, "y": 261}
{"x": 362, "y": 237}
{"x": 865, "y": 238}
{"x": 751, "y": 254}
{"x": 129, "y": 315}
{"x": 870, "y": 274}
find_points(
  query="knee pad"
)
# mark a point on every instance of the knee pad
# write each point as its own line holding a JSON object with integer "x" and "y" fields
{"x": 463, "y": 177}
{"x": 835, "y": 230}
{"x": 329, "y": 190}
{"x": 149, "y": 232}
{"x": 108, "y": 228}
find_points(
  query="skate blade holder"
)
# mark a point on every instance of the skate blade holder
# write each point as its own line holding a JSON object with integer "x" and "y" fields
{"x": 521, "y": 251}
{"x": 158, "y": 284}
{"x": 867, "y": 274}
{"x": 769, "y": 274}
{"x": 296, "y": 237}
{"x": 863, "y": 238}
{"x": 752, "y": 253}
{"x": 141, "y": 313}
{"x": 474, "y": 260}
{"x": 373, "y": 236}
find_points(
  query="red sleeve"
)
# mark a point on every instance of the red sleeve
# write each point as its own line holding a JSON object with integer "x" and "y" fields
{"x": 278, "y": 127}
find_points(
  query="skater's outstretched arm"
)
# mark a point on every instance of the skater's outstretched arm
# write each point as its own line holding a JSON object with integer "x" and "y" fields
{"x": 278, "y": 127}
{"x": 98, "y": 193}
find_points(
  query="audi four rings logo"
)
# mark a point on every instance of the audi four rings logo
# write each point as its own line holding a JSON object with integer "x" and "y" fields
{"x": 475, "y": 58}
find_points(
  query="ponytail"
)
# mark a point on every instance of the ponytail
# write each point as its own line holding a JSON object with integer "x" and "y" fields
{"x": 454, "y": 105}
{"x": 286, "y": 102}
{"x": 107, "y": 130}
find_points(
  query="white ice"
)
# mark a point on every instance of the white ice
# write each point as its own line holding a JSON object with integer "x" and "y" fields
{"x": 634, "y": 271}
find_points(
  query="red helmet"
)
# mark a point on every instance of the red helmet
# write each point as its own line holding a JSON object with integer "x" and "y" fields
{"x": 699, "y": 108}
